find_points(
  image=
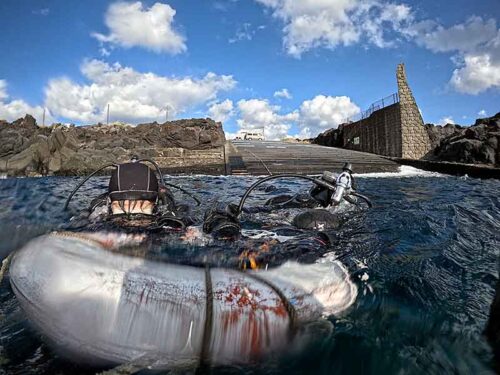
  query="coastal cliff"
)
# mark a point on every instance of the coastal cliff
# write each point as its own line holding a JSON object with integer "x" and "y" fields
{"x": 27, "y": 149}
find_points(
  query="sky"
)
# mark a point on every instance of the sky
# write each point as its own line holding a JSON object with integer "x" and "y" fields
{"x": 292, "y": 67}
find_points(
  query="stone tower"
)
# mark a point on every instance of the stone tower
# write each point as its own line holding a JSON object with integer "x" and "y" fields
{"x": 415, "y": 141}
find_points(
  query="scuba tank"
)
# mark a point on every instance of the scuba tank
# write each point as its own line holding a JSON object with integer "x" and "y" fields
{"x": 343, "y": 184}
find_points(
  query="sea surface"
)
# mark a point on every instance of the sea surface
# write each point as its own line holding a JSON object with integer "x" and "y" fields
{"x": 425, "y": 260}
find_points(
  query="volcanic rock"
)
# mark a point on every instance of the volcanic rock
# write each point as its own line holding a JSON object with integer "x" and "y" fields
{"x": 477, "y": 144}
{"x": 27, "y": 149}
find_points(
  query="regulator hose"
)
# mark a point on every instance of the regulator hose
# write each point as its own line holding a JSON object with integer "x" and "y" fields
{"x": 196, "y": 199}
{"x": 365, "y": 198}
{"x": 317, "y": 181}
{"x": 157, "y": 167}
{"x": 84, "y": 181}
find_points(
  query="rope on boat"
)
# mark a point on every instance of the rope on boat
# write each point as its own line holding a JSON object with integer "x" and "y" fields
{"x": 290, "y": 309}
{"x": 204, "y": 364}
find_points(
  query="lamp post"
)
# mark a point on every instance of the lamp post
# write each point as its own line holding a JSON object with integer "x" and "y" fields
{"x": 167, "y": 109}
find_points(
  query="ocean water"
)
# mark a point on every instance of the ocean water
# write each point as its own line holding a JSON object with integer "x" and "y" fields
{"x": 424, "y": 258}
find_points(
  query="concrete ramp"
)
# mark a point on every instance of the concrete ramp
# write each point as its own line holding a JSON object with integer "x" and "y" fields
{"x": 267, "y": 157}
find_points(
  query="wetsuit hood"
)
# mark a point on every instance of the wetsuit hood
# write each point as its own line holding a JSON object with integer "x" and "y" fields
{"x": 133, "y": 181}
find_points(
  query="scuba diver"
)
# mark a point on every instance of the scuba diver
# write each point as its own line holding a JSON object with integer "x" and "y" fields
{"x": 319, "y": 195}
{"x": 138, "y": 197}
{"x": 136, "y": 194}
{"x": 327, "y": 193}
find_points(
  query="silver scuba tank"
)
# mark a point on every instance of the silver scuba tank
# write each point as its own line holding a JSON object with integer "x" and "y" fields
{"x": 343, "y": 185}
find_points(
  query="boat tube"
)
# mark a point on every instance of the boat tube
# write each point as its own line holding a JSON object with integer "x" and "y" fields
{"x": 98, "y": 306}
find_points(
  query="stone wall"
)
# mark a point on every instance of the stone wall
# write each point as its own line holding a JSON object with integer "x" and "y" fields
{"x": 395, "y": 130}
{"x": 379, "y": 134}
{"x": 415, "y": 140}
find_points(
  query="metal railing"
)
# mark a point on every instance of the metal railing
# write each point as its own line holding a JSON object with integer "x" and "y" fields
{"x": 379, "y": 104}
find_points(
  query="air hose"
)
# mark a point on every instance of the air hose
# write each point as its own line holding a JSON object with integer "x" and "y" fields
{"x": 365, "y": 198}
{"x": 317, "y": 181}
{"x": 84, "y": 181}
{"x": 158, "y": 170}
{"x": 198, "y": 202}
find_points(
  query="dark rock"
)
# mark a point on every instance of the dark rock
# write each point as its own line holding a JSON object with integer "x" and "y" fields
{"x": 438, "y": 133}
{"x": 330, "y": 137}
{"x": 27, "y": 149}
{"x": 470, "y": 151}
{"x": 477, "y": 144}
{"x": 21, "y": 161}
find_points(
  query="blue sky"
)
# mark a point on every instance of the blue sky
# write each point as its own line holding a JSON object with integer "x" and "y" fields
{"x": 295, "y": 67}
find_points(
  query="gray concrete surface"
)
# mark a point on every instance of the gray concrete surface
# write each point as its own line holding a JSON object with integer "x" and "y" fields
{"x": 269, "y": 157}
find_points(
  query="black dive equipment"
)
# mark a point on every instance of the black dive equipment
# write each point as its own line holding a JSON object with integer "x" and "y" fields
{"x": 133, "y": 181}
{"x": 328, "y": 190}
{"x": 221, "y": 220}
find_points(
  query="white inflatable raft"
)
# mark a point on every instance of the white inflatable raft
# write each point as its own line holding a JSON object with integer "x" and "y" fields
{"x": 103, "y": 307}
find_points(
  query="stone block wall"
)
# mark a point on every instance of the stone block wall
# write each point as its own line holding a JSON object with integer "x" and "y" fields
{"x": 396, "y": 130}
{"x": 379, "y": 134}
{"x": 415, "y": 139}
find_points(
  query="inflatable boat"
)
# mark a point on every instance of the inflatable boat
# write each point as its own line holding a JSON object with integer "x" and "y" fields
{"x": 98, "y": 306}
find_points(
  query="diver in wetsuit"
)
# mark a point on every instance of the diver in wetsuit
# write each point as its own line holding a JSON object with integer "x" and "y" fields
{"x": 323, "y": 196}
{"x": 137, "y": 197}
{"x": 319, "y": 196}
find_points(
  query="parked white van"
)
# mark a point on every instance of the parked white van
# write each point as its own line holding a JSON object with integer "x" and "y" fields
{"x": 254, "y": 135}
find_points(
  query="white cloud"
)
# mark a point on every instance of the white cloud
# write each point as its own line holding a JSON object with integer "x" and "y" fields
{"x": 283, "y": 93}
{"x": 230, "y": 135}
{"x": 476, "y": 73}
{"x": 446, "y": 120}
{"x": 221, "y": 111}
{"x": 463, "y": 37}
{"x": 131, "y": 25}
{"x": 310, "y": 24}
{"x": 326, "y": 23}
{"x": 14, "y": 109}
{"x": 260, "y": 114}
{"x": 245, "y": 32}
{"x": 132, "y": 96}
{"x": 314, "y": 116}
{"x": 325, "y": 112}
{"x": 104, "y": 52}
{"x": 477, "y": 44}
{"x": 482, "y": 113}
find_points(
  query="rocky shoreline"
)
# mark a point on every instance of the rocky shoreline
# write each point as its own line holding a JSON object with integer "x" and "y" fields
{"x": 478, "y": 144}
{"x": 182, "y": 146}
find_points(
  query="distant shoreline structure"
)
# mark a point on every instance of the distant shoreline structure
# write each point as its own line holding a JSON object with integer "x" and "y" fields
{"x": 394, "y": 127}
